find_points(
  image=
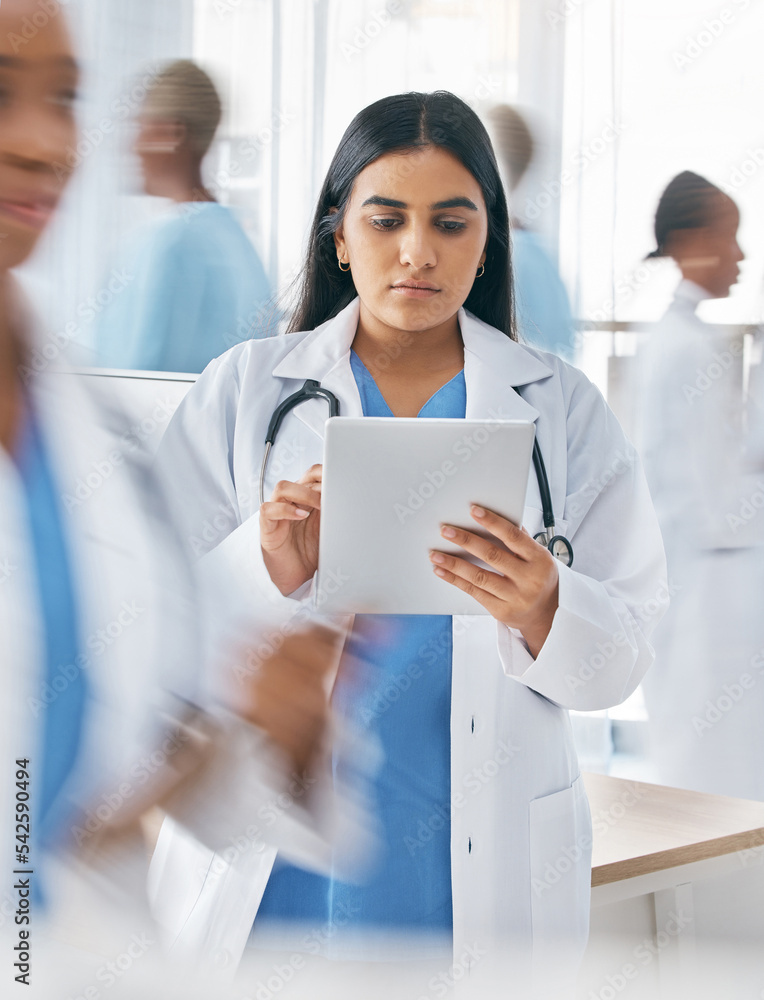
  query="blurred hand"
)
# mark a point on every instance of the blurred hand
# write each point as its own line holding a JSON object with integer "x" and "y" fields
{"x": 288, "y": 697}
{"x": 289, "y": 524}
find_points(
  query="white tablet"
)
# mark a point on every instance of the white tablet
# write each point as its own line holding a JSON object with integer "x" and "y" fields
{"x": 388, "y": 485}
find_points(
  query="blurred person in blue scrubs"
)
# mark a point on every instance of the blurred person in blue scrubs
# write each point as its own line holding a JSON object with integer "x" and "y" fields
{"x": 198, "y": 286}
{"x": 544, "y": 318}
{"x": 111, "y": 667}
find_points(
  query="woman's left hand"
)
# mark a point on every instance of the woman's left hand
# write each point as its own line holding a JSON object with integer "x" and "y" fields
{"x": 522, "y": 590}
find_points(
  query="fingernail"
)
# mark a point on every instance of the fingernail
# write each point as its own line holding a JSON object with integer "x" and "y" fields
{"x": 447, "y": 532}
{"x": 478, "y": 511}
{"x": 437, "y": 557}
{"x": 439, "y": 572}
{"x": 301, "y": 513}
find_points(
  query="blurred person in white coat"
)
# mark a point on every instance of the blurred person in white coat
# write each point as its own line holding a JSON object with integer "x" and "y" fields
{"x": 705, "y": 695}
{"x": 107, "y": 707}
{"x": 406, "y": 310}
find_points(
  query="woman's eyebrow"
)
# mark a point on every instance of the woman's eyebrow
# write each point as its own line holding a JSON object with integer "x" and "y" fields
{"x": 17, "y": 62}
{"x": 377, "y": 199}
{"x": 455, "y": 203}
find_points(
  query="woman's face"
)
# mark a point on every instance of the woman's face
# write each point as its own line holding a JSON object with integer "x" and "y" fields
{"x": 38, "y": 80}
{"x": 710, "y": 256}
{"x": 415, "y": 232}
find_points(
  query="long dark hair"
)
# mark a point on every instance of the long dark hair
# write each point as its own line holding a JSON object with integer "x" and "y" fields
{"x": 393, "y": 125}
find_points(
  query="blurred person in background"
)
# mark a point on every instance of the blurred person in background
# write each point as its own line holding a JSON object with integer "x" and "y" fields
{"x": 113, "y": 693}
{"x": 705, "y": 696}
{"x": 197, "y": 284}
{"x": 544, "y": 318}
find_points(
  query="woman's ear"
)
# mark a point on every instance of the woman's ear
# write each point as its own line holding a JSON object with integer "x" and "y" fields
{"x": 339, "y": 236}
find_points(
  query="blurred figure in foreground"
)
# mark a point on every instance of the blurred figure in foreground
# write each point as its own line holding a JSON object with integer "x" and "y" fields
{"x": 198, "y": 285}
{"x": 705, "y": 696}
{"x": 112, "y": 701}
{"x": 544, "y": 318}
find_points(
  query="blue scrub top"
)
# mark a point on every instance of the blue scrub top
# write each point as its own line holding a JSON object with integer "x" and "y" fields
{"x": 405, "y": 705}
{"x": 192, "y": 287}
{"x": 61, "y": 718}
{"x": 544, "y": 317}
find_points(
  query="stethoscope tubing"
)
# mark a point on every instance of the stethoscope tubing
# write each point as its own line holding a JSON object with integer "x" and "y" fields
{"x": 313, "y": 389}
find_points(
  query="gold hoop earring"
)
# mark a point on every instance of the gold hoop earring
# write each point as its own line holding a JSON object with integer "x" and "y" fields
{"x": 339, "y": 262}
{"x": 481, "y": 272}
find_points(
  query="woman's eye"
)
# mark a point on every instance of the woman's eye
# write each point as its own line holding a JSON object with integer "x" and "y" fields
{"x": 65, "y": 98}
{"x": 452, "y": 226}
{"x": 385, "y": 223}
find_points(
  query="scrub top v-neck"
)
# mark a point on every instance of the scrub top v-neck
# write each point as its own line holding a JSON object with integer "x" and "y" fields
{"x": 404, "y": 704}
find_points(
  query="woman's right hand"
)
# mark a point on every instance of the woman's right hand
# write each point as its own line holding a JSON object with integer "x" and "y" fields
{"x": 289, "y": 524}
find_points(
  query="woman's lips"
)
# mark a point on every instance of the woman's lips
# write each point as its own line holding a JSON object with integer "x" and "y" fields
{"x": 416, "y": 291}
{"x": 31, "y": 214}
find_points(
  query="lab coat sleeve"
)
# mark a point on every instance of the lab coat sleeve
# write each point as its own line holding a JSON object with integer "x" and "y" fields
{"x": 246, "y": 787}
{"x": 244, "y": 619}
{"x": 197, "y": 455}
{"x": 597, "y": 650}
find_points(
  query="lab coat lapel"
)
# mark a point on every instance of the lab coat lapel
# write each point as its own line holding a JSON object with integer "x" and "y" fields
{"x": 493, "y": 366}
{"x": 324, "y": 355}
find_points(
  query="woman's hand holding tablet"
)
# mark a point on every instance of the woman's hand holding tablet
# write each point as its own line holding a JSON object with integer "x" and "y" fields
{"x": 522, "y": 592}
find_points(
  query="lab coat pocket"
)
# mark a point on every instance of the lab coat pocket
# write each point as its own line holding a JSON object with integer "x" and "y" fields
{"x": 560, "y": 860}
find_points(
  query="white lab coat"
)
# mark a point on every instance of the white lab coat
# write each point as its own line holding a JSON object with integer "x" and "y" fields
{"x": 142, "y": 631}
{"x": 520, "y": 824}
{"x": 705, "y": 695}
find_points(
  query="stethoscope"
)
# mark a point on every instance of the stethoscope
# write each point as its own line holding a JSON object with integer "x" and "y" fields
{"x": 558, "y": 545}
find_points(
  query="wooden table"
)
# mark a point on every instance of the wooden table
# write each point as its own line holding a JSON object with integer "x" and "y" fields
{"x": 664, "y": 864}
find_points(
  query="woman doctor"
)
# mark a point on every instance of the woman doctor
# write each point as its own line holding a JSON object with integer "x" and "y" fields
{"x": 406, "y": 310}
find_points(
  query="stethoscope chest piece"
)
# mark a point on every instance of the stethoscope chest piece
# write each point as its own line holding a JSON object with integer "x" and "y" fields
{"x": 558, "y": 545}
